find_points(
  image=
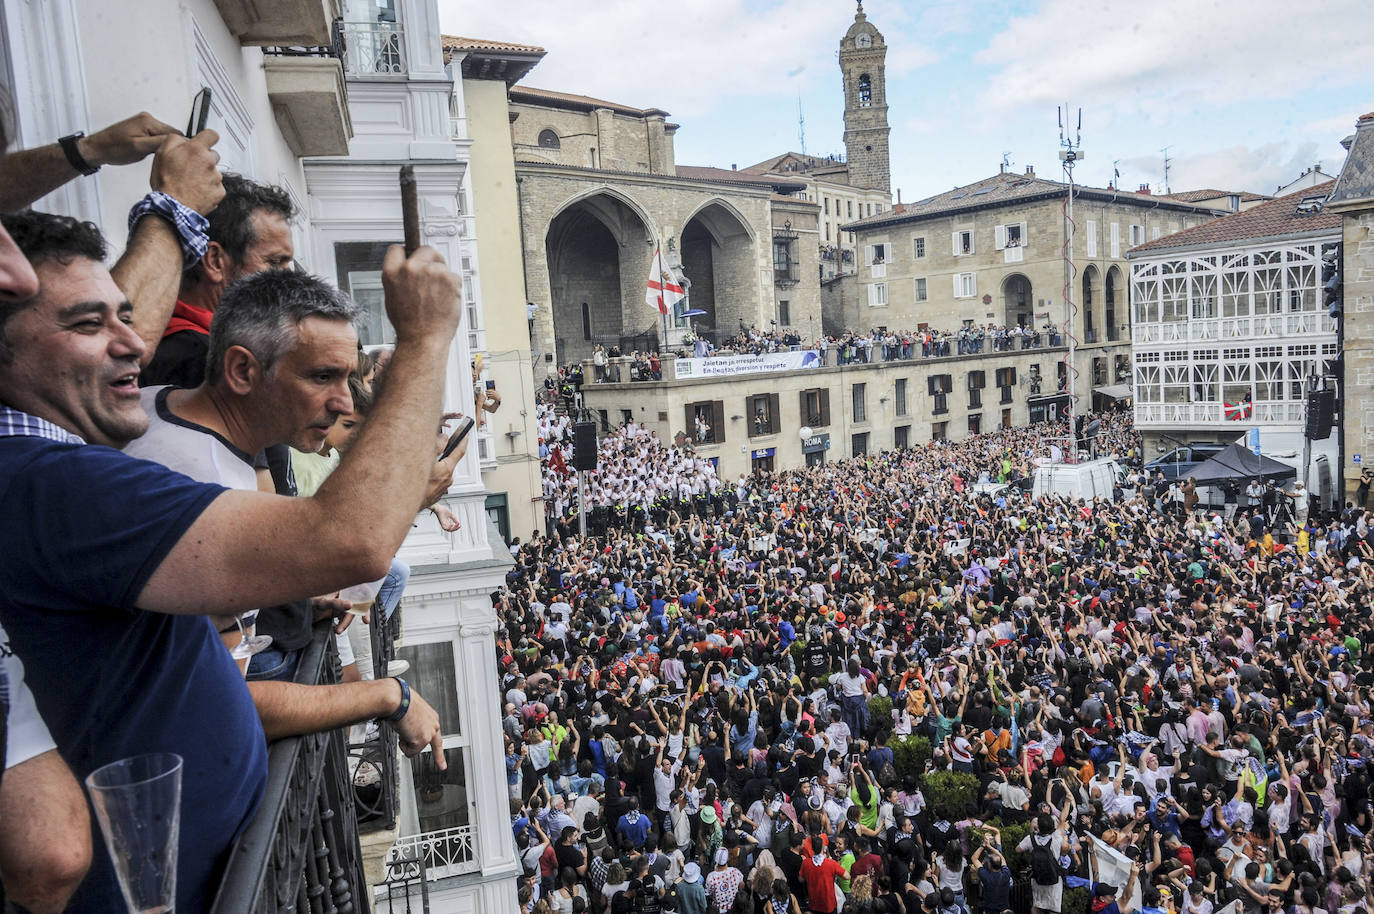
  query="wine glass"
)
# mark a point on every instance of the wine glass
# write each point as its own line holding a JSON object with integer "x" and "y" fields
{"x": 137, "y": 801}
{"x": 250, "y": 642}
{"x": 360, "y": 597}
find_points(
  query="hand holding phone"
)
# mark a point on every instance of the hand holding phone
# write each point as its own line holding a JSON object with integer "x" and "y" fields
{"x": 465, "y": 425}
{"x": 200, "y": 112}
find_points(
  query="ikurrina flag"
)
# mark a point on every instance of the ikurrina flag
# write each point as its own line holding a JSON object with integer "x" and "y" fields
{"x": 1238, "y": 411}
{"x": 664, "y": 290}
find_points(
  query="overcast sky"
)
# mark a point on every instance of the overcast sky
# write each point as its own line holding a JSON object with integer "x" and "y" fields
{"x": 1245, "y": 93}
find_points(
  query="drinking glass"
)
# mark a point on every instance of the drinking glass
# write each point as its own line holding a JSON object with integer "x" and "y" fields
{"x": 250, "y": 642}
{"x": 360, "y": 597}
{"x": 138, "y": 803}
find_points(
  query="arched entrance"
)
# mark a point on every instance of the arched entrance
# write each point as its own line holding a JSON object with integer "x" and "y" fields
{"x": 1090, "y": 303}
{"x": 598, "y": 251}
{"x": 1017, "y": 304}
{"x": 719, "y": 264}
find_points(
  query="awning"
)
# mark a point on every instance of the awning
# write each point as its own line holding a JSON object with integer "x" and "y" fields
{"x": 1115, "y": 391}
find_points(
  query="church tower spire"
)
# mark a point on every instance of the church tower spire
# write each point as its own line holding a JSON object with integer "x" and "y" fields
{"x": 863, "y": 53}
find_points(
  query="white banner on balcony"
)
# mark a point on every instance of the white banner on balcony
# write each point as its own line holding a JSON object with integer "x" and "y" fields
{"x": 725, "y": 365}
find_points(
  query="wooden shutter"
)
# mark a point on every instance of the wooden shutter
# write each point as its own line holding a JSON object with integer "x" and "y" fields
{"x": 825, "y": 406}
{"x": 801, "y": 408}
{"x": 691, "y": 422}
{"x": 932, "y": 384}
{"x": 774, "y": 419}
{"x": 1011, "y": 377}
{"x": 958, "y": 285}
{"x": 1025, "y": 239}
{"x": 718, "y": 426}
{"x": 955, "y": 244}
{"x": 999, "y": 237}
{"x": 1091, "y": 245}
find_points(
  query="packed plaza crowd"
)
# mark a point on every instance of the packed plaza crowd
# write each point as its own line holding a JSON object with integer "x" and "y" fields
{"x": 855, "y": 347}
{"x": 195, "y": 458}
{"x": 759, "y": 703}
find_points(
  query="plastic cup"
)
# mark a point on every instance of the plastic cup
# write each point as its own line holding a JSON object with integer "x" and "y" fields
{"x": 138, "y": 803}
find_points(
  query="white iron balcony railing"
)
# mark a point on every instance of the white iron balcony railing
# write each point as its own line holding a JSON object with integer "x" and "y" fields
{"x": 374, "y": 49}
{"x": 445, "y": 853}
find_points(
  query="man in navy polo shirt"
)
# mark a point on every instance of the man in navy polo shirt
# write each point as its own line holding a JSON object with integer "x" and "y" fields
{"x": 110, "y": 560}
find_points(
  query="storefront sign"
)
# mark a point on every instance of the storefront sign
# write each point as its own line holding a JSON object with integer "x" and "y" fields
{"x": 815, "y": 443}
{"x": 763, "y": 452}
{"x": 722, "y": 366}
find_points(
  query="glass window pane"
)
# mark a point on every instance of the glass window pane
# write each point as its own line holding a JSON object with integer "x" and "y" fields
{"x": 441, "y": 797}
{"x": 359, "y": 265}
{"x": 433, "y": 675}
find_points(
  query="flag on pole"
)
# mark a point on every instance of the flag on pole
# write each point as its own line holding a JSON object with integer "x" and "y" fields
{"x": 663, "y": 291}
{"x": 1238, "y": 411}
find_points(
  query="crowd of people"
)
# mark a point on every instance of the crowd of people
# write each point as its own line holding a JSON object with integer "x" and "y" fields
{"x": 196, "y": 459}
{"x": 854, "y": 347}
{"x": 637, "y": 475}
{"x": 716, "y": 710}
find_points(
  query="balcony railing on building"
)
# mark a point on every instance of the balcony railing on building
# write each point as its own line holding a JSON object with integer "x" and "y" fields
{"x": 374, "y": 49}
{"x": 301, "y": 852}
{"x": 1234, "y": 328}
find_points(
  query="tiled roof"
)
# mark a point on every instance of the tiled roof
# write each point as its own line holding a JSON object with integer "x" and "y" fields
{"x": 553, "y": 99}
{"x": 1355, "y": 187}
{"x": 458, "y": 43}
{"x": 734, "y": 176}
{"x": 1003, "y": 189}
{"x": 1211, "y": 193}
{"x": 1278, "y": 217}
{"x": 813, "y": 163}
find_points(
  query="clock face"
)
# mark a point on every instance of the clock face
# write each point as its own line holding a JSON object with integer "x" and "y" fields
{"x": 863, "y": 40}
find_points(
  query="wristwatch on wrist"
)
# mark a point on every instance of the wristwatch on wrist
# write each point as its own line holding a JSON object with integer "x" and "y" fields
{"x": 400, "y": 712}
{"x": 74, "y": 156}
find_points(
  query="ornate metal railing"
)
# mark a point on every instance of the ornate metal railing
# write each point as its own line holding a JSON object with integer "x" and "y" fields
{"x": 300, "y": 852}
{"x": 406, "y": 883}
{"x": 372, "y": 762}
{"x": 374, "y": 49}
{"x": 334, "y": 49}
{"x": 444, "y": 853}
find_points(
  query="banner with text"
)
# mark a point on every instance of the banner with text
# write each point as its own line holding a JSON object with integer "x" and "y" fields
{"x": 725, "y": 365}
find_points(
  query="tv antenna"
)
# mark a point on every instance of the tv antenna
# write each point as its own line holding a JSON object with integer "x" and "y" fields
{"x": 1070, "y": 154}
{"x": 1006, "y": 160}
{"x": 1167, "y": 162}
{"x": 801, "y": 125}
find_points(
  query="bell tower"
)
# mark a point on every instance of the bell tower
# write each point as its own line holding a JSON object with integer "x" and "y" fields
{"x": 862, "y": 55}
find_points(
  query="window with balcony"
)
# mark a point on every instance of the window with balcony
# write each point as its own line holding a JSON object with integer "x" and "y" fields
{"x": 939, "y": 431}
{"x": 901, "y": 436}
{"x": 858, "y": 444}
{"x": 877, "y": 294}
{"x": 975, "y": 424}
{"x": 939, "y": 387}
{"x": 899, "y": 398}
{"x": 859, "y": 404}
{"x": 815, "y": 407}
{"x": 875, "y": 255}
{"x": 965, "y": 285}
{"x": 976, "y": 381}
{"x": 374, "y": 47}
{"x": 705, "y": 422}
{"x": 1006, "y": 380}
{"x": 963, "y": 242}
{"x": 762, "y": 413}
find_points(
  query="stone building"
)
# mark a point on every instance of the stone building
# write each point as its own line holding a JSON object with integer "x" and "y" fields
{"x": 756, "y": 416}
{"x": 1228, "y": 326}
{"x": 599, "y": 191}
{"x": 1353, "y": 198}
{"x": 991, "y": 253}
{"x": 863, "y": 55}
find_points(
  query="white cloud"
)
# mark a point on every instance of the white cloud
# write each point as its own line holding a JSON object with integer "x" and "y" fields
{"x": 1155, "y": 59}
{"x": 1260, "y": 169}
{"x": 689, "y": 58}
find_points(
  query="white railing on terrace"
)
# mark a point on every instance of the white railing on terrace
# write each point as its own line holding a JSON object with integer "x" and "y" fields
{"x": 1161, "y": 414}
{"x": 1235, "y": 328}
{"x": 374, "y": 49}
{"x": 450, "y": 852}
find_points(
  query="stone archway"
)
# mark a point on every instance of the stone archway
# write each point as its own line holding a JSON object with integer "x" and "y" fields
{"x": 598, "y": 249}
{"x": 1017, "y": 304}
{"x": 718, "y": 260}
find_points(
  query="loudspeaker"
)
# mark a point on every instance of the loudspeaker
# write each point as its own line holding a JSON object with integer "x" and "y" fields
{"x": 1321, "y": 413}
{"x": 584, "y": 446}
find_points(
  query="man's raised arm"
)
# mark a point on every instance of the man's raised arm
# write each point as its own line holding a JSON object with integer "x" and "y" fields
{"x": 248, "y": 549}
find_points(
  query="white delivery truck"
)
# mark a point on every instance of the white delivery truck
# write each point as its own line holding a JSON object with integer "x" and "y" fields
{"x": 1087, "y": 479}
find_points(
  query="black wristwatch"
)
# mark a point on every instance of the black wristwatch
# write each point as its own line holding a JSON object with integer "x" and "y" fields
{"x": 74, "y": 156}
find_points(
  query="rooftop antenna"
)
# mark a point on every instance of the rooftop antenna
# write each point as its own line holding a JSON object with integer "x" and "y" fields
{"x": 801, "y": 124}
{"x": 1167, "y": 162}
{"x": 1006, "y": 161}
{"x": 1070, "y": 154}
{"x": 1116, "y": 174}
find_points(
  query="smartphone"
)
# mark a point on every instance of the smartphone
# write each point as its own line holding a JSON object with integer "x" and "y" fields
{"x": 491, "y": 385}
{"x": 200, "y": 112}
{"x": 465, "y": 425}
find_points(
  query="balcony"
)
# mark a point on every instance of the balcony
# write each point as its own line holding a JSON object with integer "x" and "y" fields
{"x": 1161, "y": 415}
{"x": 785, "y": 274}
{"x": 309, "y": 100}
{"x": 1258, "y": 326}
{"x": 301, "y": 852}
{"x": 374, "y": 50}
{"x": 278, "y": 22}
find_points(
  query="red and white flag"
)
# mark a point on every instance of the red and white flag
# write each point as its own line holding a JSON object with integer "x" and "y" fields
{"x": 663, "y": 291}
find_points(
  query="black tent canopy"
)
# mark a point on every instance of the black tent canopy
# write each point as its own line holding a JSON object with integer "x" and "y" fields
{"x": 1237, "y": 463}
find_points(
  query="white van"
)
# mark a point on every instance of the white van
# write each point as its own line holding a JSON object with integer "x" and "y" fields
{"x": 1087, "y": 479}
